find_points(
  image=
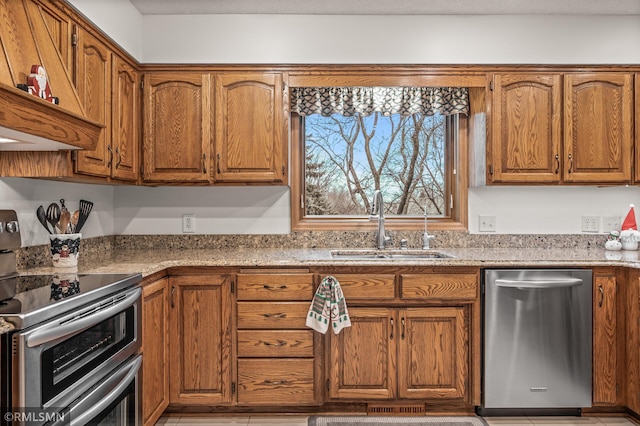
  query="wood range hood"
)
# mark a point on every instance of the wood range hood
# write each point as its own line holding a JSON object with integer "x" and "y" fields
{"x": 33, "y": 123}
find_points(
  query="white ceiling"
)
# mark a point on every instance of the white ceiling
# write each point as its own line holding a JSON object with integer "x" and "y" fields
{"x": 390, "y": 7}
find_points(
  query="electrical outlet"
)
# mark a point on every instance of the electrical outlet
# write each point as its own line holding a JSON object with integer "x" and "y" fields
{"x": 611, "y": 223}
{"x": 188, "y": 223}
{"x": 487, "y": 224}
{"x": 590, "y": 223}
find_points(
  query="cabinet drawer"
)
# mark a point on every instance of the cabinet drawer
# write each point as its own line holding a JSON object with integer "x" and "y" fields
{"x": 275, "y": 286}
{"x": 276, "y": 381}
{"x": 272, "y": 315}
{"x": 439, "y": 286}
{"x": 274, "y": 344}
{"x": 367, "y": 286}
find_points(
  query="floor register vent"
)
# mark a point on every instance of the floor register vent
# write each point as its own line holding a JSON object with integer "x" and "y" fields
{"x": 396, "y": 409}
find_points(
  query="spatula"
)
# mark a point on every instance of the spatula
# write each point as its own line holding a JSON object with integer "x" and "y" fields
{"x": 85, "y": 209}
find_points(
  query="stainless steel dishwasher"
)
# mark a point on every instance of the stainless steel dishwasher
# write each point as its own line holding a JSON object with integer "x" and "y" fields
{"x": 537, "y": 339}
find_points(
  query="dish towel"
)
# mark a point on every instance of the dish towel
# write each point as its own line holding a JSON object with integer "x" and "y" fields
{"x": 328, "y": 306}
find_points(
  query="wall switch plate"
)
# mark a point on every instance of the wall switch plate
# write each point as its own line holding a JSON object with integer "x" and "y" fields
{"x": 590, "y": 223}
{"x": 610, "y": 223}
{"x": 487, "y": 224}
{"x": 188, "y": 223}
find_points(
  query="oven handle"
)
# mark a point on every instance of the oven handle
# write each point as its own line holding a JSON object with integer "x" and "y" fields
{"x": 95, "y": 403}
{"x": 55, "y": 330}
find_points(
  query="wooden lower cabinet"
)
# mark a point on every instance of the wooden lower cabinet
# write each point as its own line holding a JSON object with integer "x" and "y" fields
{"x": 433, "y": 361}
{"x": 632, "y": 340}
{"x": 276, "y": 351}
{"x": 606, "y": 354}
{"x": 276, "y": 381}
{"x": 413, "y": 353}
{"x": 363, "y": 356}
{"x": 201, "y": 340}
{"x": 155, "y": 350}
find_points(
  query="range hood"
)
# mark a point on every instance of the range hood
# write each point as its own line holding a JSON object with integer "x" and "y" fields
{"x": 28, "y": 123}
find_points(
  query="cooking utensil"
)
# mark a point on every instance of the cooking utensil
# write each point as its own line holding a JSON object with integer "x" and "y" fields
{"x": 42, "y": 217}
{"x": 53, "y": 215}
{"x": 85, "y": 209}
{"x": 65, "y": 218}
{"x": 74, "y": 221}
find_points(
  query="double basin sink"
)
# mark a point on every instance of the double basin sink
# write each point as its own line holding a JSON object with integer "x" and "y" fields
{"x": 389, "y": 254}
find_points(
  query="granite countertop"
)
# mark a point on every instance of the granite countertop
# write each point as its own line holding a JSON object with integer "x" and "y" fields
{"x": 151, "y": 261}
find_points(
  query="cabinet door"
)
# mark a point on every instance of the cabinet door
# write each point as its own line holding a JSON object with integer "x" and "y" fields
{"x": 60, "y": 28}
{"x": 251, "y": 128}
{"x": 598, "y": 127}
{"x": 177, "y": 127}
{"x": 632, "y": 340}
{"x": 433, "y": 360}
{"x": 526, "y": 126}
{"x": 93, "y": 81}
{"x": 637, "y": 126}
{"x": 125, "y": 119}
{"x": 155, "y": 349}
{"x": 605, "y": 359}
{"x": 363, "y": 356}
{"x": 200, "y": 330}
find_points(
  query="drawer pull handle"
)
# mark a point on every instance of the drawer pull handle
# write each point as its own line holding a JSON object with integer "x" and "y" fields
{"x": 402, "y": 328}
{"x": 601, "y": 301}
{"x": 391, "y": 335}
{"x": 280, "y": 343}
{"x": 268, "y": 287}
{"x": 279, "y": 315}
{"x": 275, "y": 382}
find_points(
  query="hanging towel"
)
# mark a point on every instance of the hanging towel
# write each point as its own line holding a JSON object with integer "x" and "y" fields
{"x": 328, "y": 306}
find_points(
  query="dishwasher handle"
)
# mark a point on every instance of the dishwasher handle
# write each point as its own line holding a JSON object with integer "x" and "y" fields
{"x": 539, "y": 283}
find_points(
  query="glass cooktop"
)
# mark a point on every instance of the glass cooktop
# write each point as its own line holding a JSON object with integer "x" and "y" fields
{"x": 40, "y": 297}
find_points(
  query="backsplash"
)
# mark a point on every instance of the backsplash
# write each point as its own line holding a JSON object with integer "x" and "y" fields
{"x": 100, "y": 249}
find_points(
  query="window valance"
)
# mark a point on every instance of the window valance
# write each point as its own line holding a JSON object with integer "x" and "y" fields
{"x": 349, "y": 101}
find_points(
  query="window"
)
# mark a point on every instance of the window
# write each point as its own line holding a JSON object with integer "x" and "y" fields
{"x": 341, "y": 158}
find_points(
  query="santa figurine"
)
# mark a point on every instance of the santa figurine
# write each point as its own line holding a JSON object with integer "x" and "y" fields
{"x": 39, "y": 84}
{"x": 629, "y": 235}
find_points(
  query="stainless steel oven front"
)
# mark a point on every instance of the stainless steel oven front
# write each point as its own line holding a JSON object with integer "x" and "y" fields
{"x": 63, "y": 361}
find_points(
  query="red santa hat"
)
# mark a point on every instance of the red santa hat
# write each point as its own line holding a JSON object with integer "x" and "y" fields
{"x": 630, "y": 220}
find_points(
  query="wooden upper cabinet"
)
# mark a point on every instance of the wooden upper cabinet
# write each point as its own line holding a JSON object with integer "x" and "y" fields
{"x": 60, "y": 28}
{"x": 526, "y": 128}
{"x": 251, "y": 128}
{"x": 637, "y": 126}
{"x": 598, "y": 127}
{"x": 93, "y": 82}
{"x": 125, "y": 118}
{"x": 177, "y": 127}
{"x": 544, "y": 131}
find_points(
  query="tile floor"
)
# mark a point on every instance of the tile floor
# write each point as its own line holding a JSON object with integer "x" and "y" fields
{"x": 302, "y": 421}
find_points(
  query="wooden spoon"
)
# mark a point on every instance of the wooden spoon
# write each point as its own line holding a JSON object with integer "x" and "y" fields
{"x": 65, "y": 218}
{"x": 74, "y": 221}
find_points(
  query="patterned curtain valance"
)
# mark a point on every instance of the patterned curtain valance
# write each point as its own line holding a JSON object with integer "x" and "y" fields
{"x": 350, "y": 101}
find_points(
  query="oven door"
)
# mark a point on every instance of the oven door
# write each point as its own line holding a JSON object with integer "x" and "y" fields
{"x": 110, "y": 402}
{"x": 56, "y": 362}
{"x": 113, "y": 401}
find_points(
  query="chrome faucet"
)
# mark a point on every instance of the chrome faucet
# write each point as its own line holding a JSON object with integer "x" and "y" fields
{"x": 426, "y": 238}
{"x": 377, "y": 212}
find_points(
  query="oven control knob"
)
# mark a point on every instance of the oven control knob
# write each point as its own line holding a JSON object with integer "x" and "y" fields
{"x": 12, "y": 227}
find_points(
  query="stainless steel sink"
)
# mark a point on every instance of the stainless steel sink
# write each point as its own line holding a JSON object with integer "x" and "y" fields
{"x": 389, "y": 254}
